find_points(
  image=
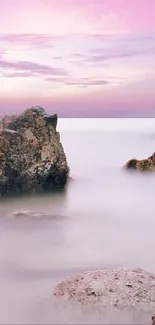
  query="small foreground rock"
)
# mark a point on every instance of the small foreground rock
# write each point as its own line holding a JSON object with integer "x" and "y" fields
{"x": 143, "y": 165}
{"x": 117, "y": 289}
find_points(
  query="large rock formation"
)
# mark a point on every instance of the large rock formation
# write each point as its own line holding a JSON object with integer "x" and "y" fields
{"x": 144, "y": 165}
{"x": 32, "y": 158}
{"x": 123, "y": 290}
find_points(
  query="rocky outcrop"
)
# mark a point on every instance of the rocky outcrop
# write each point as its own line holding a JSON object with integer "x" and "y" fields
{"x": 118, "y": 289}
{"x": 32, "y": 158}
{"x": 144, "y": 165}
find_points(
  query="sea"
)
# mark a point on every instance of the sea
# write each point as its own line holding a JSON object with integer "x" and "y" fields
{"x": 104, "y": 219}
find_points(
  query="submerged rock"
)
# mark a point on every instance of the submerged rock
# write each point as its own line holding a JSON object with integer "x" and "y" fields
{"x": 32, "y": 158}
{"x": 27, "y": 214}
{"x": 144, "y": 165}
{"x": 118, "y": 289}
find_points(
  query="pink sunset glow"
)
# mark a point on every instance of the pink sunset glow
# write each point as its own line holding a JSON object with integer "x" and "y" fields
{"x": 78, "y": 57}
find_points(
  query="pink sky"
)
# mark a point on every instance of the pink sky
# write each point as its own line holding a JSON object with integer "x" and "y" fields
{"x": 78, "y": 57}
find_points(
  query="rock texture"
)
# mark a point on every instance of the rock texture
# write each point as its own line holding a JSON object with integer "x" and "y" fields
{"x": 32, "y": 158}
{"x": 153, "y": 320}
{"x": 121, "y": 289}
{"x": 143, "y": 165}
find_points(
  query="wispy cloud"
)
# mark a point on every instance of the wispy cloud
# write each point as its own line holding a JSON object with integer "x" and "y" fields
{"x": 78, "y": 82}
{"x": 119, "y": 47}
{"x": 30, "y": 40}
{"x": 26, "y": 69}
{"x": 57, "y": 57}
{"x": 84, "y": 82}
{"x": 23, "y": 74}
{"x": 127, "y": 37}
{"x": 31, "y": 68}
{"x": 104, "y": 46}
{"x": 110, "y": 55}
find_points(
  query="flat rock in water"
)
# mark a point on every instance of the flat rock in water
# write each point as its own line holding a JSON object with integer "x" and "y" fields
{"x": 27, "y": 214}
{"x": 122, "y": 289}
{"x": 32, "y": 158}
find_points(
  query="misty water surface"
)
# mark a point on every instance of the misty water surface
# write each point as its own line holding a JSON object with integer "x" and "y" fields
{"x": 106, "y": 218}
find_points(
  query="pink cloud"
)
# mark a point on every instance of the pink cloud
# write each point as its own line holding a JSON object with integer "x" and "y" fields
{"x": 102, "y": 55}
{"x": 30, "y": 40}
{"x": 32, "y": 68}
{"x": 79, "y": 82}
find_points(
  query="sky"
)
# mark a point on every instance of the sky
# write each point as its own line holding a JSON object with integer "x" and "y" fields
{"x": 78, "y": 58}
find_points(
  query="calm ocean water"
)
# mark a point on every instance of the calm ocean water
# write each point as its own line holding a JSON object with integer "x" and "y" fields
{"x": 106, "y": 218}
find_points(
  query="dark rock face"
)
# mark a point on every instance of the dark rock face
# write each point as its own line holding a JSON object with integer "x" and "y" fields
{"x": 32, "y": 158}
{"x": 144, "y": 165}
{"x": 153, "y": 320}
